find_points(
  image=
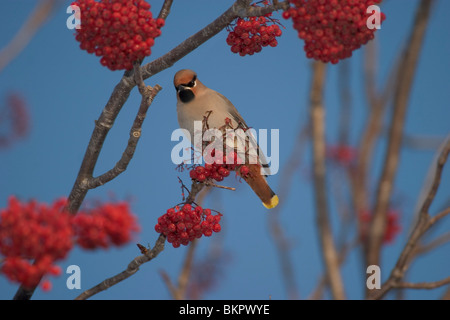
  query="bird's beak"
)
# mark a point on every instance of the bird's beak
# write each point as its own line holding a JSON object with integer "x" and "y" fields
{"x": 180, "y": 88}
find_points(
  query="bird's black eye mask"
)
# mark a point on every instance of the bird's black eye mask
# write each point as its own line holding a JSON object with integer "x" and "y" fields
{"x": 186, "y": 95}
{"x": 190, "y": 84}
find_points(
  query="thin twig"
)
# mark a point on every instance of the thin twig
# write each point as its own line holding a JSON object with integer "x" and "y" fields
{"x": 212, "y": 184}
{"x": 431, "y": 245}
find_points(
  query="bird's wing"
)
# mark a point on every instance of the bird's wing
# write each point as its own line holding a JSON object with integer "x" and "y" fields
{"x": 236, "y": 116}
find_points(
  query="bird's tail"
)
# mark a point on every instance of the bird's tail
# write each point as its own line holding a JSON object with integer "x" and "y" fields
{"x": 258, "y": 183}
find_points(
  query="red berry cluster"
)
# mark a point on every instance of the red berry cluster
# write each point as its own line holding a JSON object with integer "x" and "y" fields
{"x": 249, "y": 36}
{"x": 29, "y": 274}
{"x": 33, "y": 231}
{"x": 393, "y": 226}
{"x": 342, "y": 154}
{"x": 219, "y": 167}
{"x": 33, "y": 236}
{"x": 332, "y": 29}
{"x": 104, "y": 226}
{"x": 119, "y": 31}
{"x": 15, "y": 122}
{"x": 182, "y": 225}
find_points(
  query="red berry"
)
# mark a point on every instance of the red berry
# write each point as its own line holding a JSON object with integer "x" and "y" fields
{"x": 244, "y": 170}
{"x": 193, "y": 174}
{"x": 216, "y": 227}
{"x": 46, "y": 285}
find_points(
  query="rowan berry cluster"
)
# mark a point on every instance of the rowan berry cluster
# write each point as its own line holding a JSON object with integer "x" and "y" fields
{"x": 15, "y": 120}
{"x": 33, "y": 236}
{"x": 332, "y": 29}
{"x": 105, "y": 226}
{"x": 392, "y": 228}
{"x": 183, "y": 224}
{"x": 250, "y": 35}
{"x": 119, "y": 31}
{"x": 218, "y": 167}
{"x": 342, "y": 154}
{"x": 33, "y": 231}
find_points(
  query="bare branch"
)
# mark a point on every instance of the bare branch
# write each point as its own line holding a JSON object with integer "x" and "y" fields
{"x": 318, "y": 137}
{"x": 401, "y": 101}
{"x": 422, "y": 285}
{"x": 165, "y": 10}
{"x": 439, "y": 216}
{"x": 132, "y": 268}
{"x": 423, "y": 223}
{"x": 255, "y": 11}
{"x": 238, "y": 9}
{"x": 431, "y": 245}
{"x": 37, "y": 18}
{"x": 123, "y": 89}
{"x": 281, "y": 242}
{"x": 148, "y": 94}
{"x": 179, "y": 292}
{"x": 212, "y": 184}
{"x": 372, "y": 129}
{"x": 134, "y": 265}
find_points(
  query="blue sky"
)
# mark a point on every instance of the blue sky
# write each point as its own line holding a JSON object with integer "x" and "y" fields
{"x": 66, "y": 90}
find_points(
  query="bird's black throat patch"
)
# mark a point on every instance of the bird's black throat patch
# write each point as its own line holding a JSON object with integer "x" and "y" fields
{"x": 186, "y": 95}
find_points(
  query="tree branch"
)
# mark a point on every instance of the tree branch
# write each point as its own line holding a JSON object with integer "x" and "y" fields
{"x": 123, "y": 89}
{"x": 281, "y": 242}
{"x": 424, "y": 222}
{"x": 318, "y": 137}
{"x": 131, "y": 269}
{"x": 165, "y": 10}
{"x": 134, "y": 265}
{"x": 120, "y": 95}
{"x": 37, "y": 18}
{"x": 401, "y": 101}
{"x": 148, "y": 94}
{"x": 422, "y": 285}
{"x": 179, "y": 292}
{"x": 372, "y": 129}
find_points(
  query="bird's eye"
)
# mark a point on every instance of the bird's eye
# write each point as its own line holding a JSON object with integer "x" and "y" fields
{"x": 192, "y": 83}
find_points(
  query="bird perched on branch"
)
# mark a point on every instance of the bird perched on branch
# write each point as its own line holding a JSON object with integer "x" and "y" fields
{"x": 196, "y": 102}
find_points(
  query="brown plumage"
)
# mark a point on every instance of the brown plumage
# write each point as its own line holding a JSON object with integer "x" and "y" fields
{"x": 194, "y": 101}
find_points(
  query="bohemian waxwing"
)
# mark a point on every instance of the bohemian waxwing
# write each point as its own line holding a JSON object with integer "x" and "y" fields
{"x": 196, "y": 101}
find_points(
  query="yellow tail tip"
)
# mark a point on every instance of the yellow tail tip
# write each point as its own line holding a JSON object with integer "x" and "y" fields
{"x": 273, "y": 202}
